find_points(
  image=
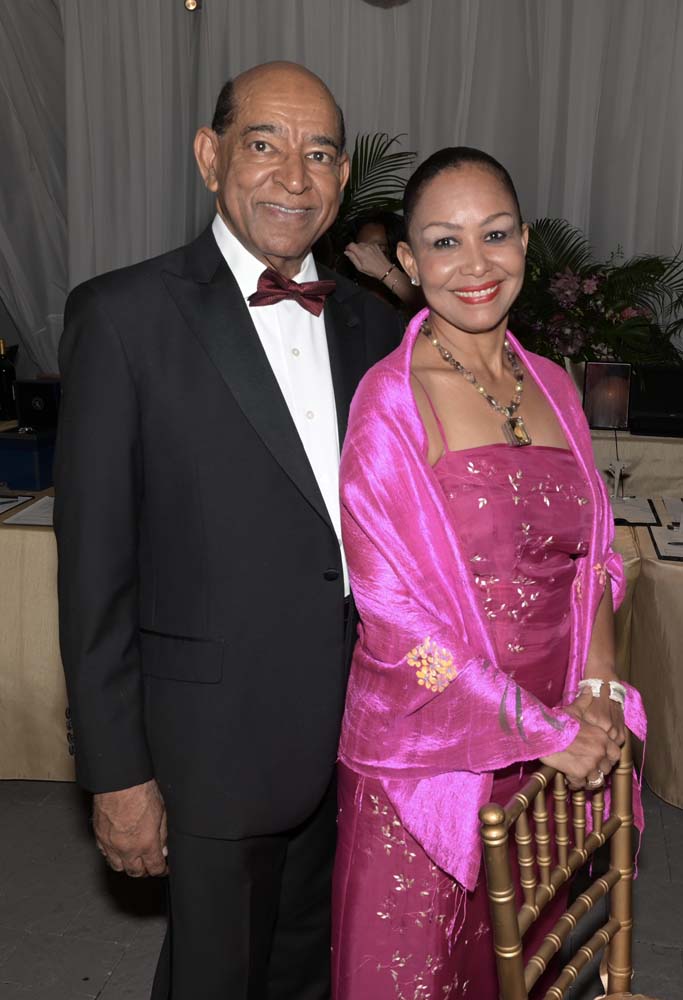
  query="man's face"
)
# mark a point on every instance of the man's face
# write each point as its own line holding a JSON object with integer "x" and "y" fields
{"x": 278, "y": 172}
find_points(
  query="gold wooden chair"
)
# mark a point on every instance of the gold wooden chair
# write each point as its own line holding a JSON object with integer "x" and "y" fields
{"x": 541, "y": 876}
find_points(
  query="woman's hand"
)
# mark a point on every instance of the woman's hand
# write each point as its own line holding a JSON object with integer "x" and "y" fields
{"x": 601, "y": 711}
{"x": 593, "y": 752}
{"x": 369, "y": 259}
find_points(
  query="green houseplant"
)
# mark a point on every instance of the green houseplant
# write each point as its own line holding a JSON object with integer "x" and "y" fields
{"x": 376, "y": 182}
{"x": 574, "y": 306}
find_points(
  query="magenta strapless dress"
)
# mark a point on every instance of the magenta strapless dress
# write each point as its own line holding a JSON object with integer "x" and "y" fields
{"x": 402, "y": 928}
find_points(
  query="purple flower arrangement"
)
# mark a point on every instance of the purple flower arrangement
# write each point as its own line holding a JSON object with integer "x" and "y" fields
{"x": 573, "y": 306}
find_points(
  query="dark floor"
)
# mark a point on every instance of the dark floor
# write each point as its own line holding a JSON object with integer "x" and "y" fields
{"x": 70, "y": 929}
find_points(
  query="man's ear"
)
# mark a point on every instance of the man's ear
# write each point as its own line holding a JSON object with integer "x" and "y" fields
{"x": 206, "y": 154}
{"x": 344, "y": 170}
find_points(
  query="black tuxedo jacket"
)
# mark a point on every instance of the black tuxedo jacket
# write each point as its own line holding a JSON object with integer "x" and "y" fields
{"x": 200, "y": 579}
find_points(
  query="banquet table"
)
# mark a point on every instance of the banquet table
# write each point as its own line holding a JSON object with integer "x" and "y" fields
{"x": 626, "y": 544}
{"x": 654, "y": 464}
{"x": 33, "y": 724}
{"x": 33, "y": 735}
{"x": 656, "y": 666}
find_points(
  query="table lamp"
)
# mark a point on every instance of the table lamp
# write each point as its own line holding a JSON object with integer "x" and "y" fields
{"x": 605, "y": 402}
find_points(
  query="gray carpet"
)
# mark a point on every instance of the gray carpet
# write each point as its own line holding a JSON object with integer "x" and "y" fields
{"x": 70, "y": 929}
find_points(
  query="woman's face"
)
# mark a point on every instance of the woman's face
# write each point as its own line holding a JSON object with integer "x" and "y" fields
{"x": 467, "y": 248}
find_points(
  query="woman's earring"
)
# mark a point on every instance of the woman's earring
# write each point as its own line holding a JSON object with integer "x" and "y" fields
{"x": 414, "y": 281}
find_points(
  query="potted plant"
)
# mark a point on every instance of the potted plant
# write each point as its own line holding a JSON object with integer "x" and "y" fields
{"x": 575, "y": 307}
{"x": 376, "y": 183}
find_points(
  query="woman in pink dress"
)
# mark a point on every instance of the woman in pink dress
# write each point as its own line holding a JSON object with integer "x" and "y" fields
{"x": 478, "y": 535}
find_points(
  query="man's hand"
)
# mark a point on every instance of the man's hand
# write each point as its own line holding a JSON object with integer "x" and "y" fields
{"x": 130, "y": 829}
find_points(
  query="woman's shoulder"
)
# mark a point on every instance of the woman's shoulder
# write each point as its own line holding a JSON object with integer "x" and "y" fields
{"x": 383, "y": 407}
{"x": 386, "y": 376}
{"x": 391, "y": 375}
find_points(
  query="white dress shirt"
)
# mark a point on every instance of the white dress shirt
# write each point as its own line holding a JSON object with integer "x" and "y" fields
{"x": 296, "y": 347}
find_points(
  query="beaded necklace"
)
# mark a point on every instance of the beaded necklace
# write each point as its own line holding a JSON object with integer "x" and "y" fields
{"x": 514, "y": 430}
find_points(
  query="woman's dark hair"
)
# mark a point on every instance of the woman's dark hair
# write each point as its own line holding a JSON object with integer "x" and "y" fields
{"x": 452, "y": 158}
{"x": 393, "y": 227}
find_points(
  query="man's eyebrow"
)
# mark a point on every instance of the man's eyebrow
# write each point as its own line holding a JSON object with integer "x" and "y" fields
{"x": 485, "y": 222}
{"x": 262, "y": 127}
{"x": 324, "y": 140}
{"x": 269, "y": 129}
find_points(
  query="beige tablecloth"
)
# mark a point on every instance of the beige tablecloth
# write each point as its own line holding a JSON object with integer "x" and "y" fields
{"x": 33, "y": 699}
{"x": 626, "y": 545}
{"x": 657, "y": 667}
{"x": 33, "y": 742}
{"x": 655, "y": 464}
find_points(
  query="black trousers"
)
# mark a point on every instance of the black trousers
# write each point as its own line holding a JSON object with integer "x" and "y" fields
{"x": 250, "y": 919}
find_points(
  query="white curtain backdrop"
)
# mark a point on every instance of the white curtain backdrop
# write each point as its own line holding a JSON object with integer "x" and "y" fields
{"x": 582, "y": 100}
{"x": 33, "y": 272}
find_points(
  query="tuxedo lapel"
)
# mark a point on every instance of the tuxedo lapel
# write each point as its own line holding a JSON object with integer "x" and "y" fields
{"x": 346, "y": 348}
{"x": 211, "y": 304}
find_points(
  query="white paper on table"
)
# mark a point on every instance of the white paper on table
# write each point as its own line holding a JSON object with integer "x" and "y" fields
{"x": 7, "y": 503}
{"x": 634, "y": 510}
{"x": 39, "y": 512}
{"x": 668, "y": 544}
{"x": 674, "y": 508}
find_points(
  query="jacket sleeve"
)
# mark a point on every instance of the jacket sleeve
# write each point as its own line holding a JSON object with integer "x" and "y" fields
{"x": 98, "y": 491}
{"x": 425, "y": 696}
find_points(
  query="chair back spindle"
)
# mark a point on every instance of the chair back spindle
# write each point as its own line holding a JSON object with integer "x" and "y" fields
{"x": 542, "y": 836}
{"x": 541, "y": 877}
{"x": 561, "y": 819}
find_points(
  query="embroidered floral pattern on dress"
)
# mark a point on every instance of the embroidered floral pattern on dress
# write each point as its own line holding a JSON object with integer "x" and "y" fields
{"x": 541, "y": 539}
{"x": 522, "y": 524}
{"x": 426, "y": 897}
{"x": 435, "y": 665}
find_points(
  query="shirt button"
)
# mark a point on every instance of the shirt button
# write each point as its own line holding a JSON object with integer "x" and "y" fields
{"x": 296, "y": 352}
{"x": 330, "y": 575}
{"x": 310, "y": 414}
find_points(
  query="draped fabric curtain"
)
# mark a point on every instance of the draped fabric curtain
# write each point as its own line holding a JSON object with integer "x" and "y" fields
{"x": 33, "y": 272}
{"x": 581, "y": 99}
{"x": 132, "y": 103}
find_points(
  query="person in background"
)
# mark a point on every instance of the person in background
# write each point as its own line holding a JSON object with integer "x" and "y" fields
{"x": 478, "y": 533}
{"x": 202, "y": 583}
{"x": 372, "y": 252}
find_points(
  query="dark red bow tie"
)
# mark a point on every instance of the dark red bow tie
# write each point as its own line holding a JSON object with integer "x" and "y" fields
{"x": 274, "y": 287}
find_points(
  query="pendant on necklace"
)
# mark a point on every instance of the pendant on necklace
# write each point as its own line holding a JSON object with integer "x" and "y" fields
{"x": 515, "y": 432}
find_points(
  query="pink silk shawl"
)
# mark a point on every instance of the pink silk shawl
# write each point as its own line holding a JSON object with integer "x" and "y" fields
{"x": 428, "y": 710}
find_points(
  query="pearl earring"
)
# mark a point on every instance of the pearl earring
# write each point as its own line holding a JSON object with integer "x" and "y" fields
{"x": 414, "y": 281}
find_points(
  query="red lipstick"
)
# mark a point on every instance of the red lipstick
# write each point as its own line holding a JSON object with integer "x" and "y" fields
{"x": 475, "y": 295}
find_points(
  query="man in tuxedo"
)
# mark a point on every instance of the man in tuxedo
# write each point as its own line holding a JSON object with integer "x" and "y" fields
{"x": 203, "y": 591}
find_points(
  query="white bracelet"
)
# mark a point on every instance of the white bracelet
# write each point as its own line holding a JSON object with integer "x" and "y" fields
{"x": 617, "y": 692}
{"x": 594, "y": 683}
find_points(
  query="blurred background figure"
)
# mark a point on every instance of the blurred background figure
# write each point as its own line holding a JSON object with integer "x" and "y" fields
{"x": 372, "y": 252}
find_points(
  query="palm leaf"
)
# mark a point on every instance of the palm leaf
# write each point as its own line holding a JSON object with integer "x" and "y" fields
{"x": 654, "y": 283}
{"x": 556, "y": 246}
{"x": 376, "y": 179}
{"x": 595, "y": 319}
{"x": 634, "y": 281}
